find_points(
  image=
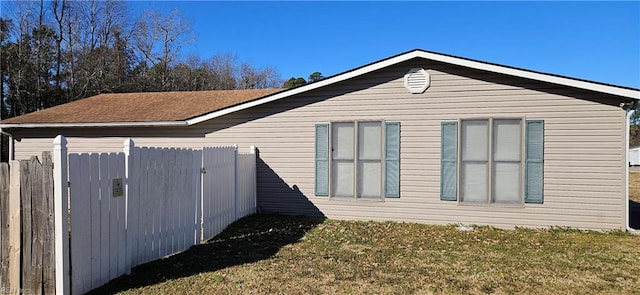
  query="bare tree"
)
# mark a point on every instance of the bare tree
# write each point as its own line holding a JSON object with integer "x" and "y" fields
{"x": 55, "y": 51}
{"x": 224, "y": 67}
{"x": 97, "y": 33}
{"x": 254, "y": 78}
{"x": 158, "y": 38}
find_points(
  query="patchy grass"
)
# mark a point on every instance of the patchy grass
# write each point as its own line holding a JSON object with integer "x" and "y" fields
{"x": 297, "y": 255}
{"x": 634, "y": 186}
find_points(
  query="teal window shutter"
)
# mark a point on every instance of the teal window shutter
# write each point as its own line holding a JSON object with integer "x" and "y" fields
{"x": 449, "y": 161}
{"x": 392, "y": 160}
{"x": 322, "y": 159}
{"x": 534, "y": 162}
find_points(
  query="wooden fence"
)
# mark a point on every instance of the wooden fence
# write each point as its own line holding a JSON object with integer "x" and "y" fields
{"x": 26, "y": 227}
{"x": 109, "y": 212}
{"x": 145, "y": 203}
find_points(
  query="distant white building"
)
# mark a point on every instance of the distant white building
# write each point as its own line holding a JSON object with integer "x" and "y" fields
{"x": 634, "y": 156}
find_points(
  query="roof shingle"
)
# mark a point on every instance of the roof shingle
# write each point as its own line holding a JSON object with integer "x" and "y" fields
{"x": 141, "y": 107}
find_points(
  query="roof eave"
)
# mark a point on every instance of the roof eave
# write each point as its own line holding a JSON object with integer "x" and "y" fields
{"x": 631, "y": 94}
{"x": 328, "y": 81}
{"x": 608, "y": 89}
{"x": 96, "y": 124}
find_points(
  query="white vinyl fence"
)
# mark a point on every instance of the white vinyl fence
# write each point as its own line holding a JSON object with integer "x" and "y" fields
{"x": 218, "y": 211}
{"x": 129, "y": 208}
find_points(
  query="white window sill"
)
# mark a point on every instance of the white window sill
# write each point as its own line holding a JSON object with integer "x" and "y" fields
{"x": 494, "y": 205}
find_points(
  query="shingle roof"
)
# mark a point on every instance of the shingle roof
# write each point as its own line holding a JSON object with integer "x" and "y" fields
{"x": 188, "y": 108}
{"x": 141, "y": 107}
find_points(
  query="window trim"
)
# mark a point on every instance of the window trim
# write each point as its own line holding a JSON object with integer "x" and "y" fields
{"x": 489, "y": 170}
{"x": 356, "y": 125}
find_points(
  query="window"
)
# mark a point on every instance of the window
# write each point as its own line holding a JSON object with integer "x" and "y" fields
{"x": 358, "y": 159}
{"x": 492, "y": 161}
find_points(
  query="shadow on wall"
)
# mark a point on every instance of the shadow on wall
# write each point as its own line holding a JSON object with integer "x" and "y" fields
{"x": 634, "y": 214}
{"x": 251, "y": 239}
{"x": 275, "y": 196}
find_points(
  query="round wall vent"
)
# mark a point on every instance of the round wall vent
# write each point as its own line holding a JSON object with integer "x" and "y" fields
{"x": 417, "y": 80}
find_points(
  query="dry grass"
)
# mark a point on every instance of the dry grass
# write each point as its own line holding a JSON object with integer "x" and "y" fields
{"x": 298, "y": 255}
{"x": 634, "y": 186}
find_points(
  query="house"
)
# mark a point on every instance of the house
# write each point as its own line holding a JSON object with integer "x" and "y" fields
{"x": 419, "y": 137}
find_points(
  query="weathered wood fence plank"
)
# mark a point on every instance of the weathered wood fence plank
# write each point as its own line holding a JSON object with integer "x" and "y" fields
{"x": 15, "y": 233}
{"x": 48, "y": 262}
{"x": 37, "y": 225}
{"x": 25, "y": 199}
{"x": 4, "y": 226}
{"x": 26, "y": 227}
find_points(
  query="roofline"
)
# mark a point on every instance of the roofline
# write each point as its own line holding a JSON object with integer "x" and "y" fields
{"x": 308, "y": 87}
{"x": 626, "y": 92}
{"x": 539, "y": 76}
{"x": 103, "y": 124}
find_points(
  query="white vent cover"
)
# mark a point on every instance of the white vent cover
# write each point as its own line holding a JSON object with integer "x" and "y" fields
{"x": 417, "y": 80}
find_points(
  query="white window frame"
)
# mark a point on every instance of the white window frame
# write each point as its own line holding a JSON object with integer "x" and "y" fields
{"x": 490, "y": 161}
{"x": 356, "y": 160}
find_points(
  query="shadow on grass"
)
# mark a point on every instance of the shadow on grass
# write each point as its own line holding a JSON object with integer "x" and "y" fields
{"x": 248, "y": 240}
{"x": 634, "y": 214}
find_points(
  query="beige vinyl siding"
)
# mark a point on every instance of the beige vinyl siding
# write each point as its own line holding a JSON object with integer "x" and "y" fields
{"x": 583, "y": 157}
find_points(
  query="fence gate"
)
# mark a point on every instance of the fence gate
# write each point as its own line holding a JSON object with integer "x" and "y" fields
{"x": 218, "y": 189}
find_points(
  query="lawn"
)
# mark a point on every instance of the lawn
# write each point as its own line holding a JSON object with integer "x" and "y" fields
{"x": 266, "y": 254}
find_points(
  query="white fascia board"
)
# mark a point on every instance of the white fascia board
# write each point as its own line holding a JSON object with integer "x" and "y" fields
{"x": 630, "y": 93}
{"x": 305, "y": 88}
{"x": 105, "y": 124}
{"x": 624, "y": 92}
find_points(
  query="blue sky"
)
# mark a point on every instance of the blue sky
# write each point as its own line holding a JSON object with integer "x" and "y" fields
{"x": 597, "y": 41}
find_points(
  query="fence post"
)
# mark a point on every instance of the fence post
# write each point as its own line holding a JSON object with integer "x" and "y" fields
{"x": 235, "y": 182}
{"x": 60, "y": 210}
{"x": 130, "y": 203}
{"x": 252, "y": 150}
{"x": 15, "y": 219}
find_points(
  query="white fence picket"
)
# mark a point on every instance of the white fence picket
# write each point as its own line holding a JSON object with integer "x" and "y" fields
{"x": 196, "y": 189}
{"x": 94, "y": 193}
{"x": 167, "y": 206}
{"x": 122, "y": 229}
{"x": 156, "y": 158}
{"x": 113, "y": 220}
{"x": 105, "y": 198}
{"x": 80, "y": 207}
{"x": 132, "y": 202}
{"x": 144, "y": 232}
